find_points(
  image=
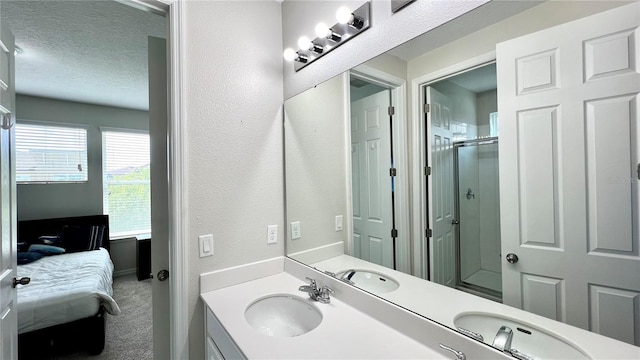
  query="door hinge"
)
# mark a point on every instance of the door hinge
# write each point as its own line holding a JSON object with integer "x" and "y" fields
{"x": 427, "y": 108}
{"x": 429, "y": 233}
{"x": 427, "y": 170}
{"x": 392, "y": 172}
{"x": 638, "y": 171}
{"x": 394, "y": 233}
{"x": 392, "y": 110}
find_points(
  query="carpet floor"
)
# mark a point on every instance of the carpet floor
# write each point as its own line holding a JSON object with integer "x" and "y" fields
{"x": 128, "y": 335}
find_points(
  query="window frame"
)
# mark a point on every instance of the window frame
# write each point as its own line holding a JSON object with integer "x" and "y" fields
{"x": 103, "y": 130}
{"x": 85, "y": 127}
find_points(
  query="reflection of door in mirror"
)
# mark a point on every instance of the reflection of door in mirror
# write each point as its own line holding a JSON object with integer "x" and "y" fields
{"x": 371, "y": 181}
{"x": 457, "y": 110}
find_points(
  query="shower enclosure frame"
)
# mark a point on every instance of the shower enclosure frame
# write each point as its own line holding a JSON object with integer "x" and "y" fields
{"x": 461, "y": 285}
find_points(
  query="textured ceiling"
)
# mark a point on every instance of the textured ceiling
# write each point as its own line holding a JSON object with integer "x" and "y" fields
{"x": 86, "y": 51}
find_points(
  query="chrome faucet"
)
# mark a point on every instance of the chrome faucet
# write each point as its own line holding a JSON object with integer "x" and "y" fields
{"x": 503, "y": 339}
{"x": 315, "y": 293}
{"x": 347, "y": 275}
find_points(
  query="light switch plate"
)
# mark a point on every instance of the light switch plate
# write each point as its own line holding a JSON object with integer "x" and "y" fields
{"x": 206, "y": 245}
{"x": 272, "y": 234}
{"x": 338, "y": 222}
{"x": 295, "y": 230}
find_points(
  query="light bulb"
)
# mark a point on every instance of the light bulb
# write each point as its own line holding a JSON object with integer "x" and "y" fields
{"x": 290, "y": 54}
{"x": 322, "y": 30}
{"x": 343, "y": 15}
{"x": 304, "y": 43}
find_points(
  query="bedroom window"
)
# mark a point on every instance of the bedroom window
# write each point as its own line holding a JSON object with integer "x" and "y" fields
{"x": 50, "y": 153}
{"x": 126, "y": 181}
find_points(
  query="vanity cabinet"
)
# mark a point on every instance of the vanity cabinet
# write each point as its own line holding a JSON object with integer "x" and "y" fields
{"x": 219, "y": 345}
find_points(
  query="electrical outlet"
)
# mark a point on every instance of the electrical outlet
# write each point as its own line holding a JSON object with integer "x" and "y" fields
{"x": 339, "y": 223}
{"x": 206, "y": 245}
{"x": 272, "y": 234}
{"x": 295, "y": 230}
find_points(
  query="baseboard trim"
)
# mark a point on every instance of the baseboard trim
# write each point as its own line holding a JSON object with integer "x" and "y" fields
{"x": 124, "y": 272}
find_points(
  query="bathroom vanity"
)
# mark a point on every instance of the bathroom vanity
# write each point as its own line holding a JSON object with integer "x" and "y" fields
{"x": 356, "y": 324}
{"x": 353, "y": 325}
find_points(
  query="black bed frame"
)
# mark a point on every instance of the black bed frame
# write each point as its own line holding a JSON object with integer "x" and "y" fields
{"x": 88, "y": 333}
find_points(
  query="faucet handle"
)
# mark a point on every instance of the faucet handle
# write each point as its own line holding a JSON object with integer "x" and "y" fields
{"x": 312, "y": 282}
{"x": 325, "y": 290}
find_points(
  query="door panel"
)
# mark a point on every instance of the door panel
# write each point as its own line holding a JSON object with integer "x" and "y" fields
{"x": 609, "y": 309}
{"x": 543, "y": 296}
{"x": 609, "y": 122}
{"x": 8, "y": 213}
{"x": 371, "y": 183}
{"x": 440, "y": 141}
{"x": 568, "y": 100}
{"x": 537, "y": 133}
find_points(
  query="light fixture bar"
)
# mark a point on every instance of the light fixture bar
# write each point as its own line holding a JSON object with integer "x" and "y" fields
{"x": 337, "y": 35}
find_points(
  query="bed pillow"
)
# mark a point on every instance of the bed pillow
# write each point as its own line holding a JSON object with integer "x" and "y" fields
{"x": 82, "y": 238}
{"x": 55, "y": 240}
{"x": 28, "y": 257}
{"x": 46, "y": 250}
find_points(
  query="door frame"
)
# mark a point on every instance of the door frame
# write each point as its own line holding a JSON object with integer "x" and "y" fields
{"x": 420, "y": 207}
{"x": 398, "y": 88}
{"x": 178, "y": 289}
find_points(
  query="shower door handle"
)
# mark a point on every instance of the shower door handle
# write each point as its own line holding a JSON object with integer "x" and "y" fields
{"x": 455, "y": 222}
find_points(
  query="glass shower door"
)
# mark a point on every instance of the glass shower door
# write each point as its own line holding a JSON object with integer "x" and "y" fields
{"x": 478, "y": 216}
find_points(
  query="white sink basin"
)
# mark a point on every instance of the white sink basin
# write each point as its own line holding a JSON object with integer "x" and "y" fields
{"x": 283, "y": 315}
{"x": 368, "y": 280}
{"x": 527, "y": 339}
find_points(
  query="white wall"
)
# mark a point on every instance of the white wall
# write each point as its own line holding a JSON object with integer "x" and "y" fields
{"x": 233, "y": 141}
{"x": 38, "y": 201}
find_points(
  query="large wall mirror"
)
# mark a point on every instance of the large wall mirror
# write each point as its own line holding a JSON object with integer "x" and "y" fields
{"x": 505, "y": 176}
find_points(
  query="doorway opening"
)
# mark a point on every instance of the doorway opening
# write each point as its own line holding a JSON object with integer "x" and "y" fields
{"x": 462, "y": 194}
{"x": 379, "y": 168}
{"x": 125, "y": 254}
{"x": 372, "y": 183}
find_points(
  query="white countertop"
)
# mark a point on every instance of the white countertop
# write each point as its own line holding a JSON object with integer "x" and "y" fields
{"x": 345, "y": 332}
{"x": 442, "y": 304}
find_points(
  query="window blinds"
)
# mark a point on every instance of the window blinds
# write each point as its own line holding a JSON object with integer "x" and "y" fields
{"x": 50, "y": 153}
{"x": 126, "y": 182}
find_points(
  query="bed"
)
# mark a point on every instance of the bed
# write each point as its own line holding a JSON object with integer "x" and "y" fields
{"x": 69, "y": 293}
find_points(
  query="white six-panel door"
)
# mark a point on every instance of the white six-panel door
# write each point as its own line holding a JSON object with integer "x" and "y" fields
{"x": 8, "y": 220}
{"x": 569, "y": 154}
{"x": 440, "y": 191}
{"x": 370, "y": 162}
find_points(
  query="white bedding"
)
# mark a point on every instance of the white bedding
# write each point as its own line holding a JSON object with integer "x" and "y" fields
{"x": 65, "y": 288}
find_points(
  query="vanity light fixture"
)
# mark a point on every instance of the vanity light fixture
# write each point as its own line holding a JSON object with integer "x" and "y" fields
{"x": 345, "y": 16}
{"x": 292, "y": 55}
{"x": 305, "y": 44}
{"x": 325, "y": 32}
{"x": 350, "y": 23}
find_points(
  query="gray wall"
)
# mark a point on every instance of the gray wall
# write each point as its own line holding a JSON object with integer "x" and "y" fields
{"x": 38, "y": 201}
